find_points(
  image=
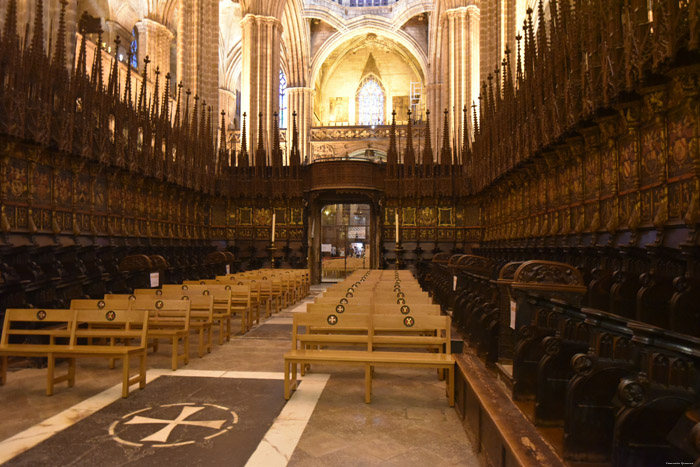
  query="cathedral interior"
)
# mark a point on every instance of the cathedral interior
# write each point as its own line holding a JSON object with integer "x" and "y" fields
{"x": 309, "y": 195}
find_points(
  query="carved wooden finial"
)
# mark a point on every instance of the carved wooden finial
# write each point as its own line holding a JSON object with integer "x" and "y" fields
{"x": 392, "y": 154}
{"x": 428, "y": 148}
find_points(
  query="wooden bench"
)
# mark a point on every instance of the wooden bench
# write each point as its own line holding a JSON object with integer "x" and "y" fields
{"x": 222, "y": 304}
{"x": 201, "y": 314}
{"x": 264, "y": 298}
{"x": 345, "y": 333}
{"x": 20, "y": 326}
{"x": 77, "y": 328}
{"x": 168, "y": 319}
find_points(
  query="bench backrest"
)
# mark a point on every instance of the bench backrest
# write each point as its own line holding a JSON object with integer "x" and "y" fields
{"x": 201, "y": 306}
{"x": 164, "y": 312}
{"x": 331, "y": 322}
{"x": 203, "y": 282}
{"x": 220, "y": 293}
{"x": 414, "y": 323}
{"x": 119, "y": 296}
{"x": 334, "y": 308}
{"x": 121, "y": 324}
{"x": 415, "y": 309}
{"x": 53, "y": 318}
{"x": 407, "y": 300}
{"x": 150, "y": 292}
{"x": 241, "y": 297}
{"x": 122, "y": 303}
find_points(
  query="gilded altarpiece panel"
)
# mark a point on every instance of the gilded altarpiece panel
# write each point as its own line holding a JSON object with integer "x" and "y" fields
{"x": 682, "y": 137}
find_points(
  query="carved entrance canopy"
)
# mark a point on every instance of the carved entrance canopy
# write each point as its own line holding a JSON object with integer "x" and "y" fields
{"x": 362, "y": 175}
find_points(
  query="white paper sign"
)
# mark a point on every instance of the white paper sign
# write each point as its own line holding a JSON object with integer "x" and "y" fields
{"x": 454, "y": 283}
{"x": 513, "y": 307}
{"x": 155, "y": 279}
{"x": 228, "y": 269}
{"x": 326, "y": 248}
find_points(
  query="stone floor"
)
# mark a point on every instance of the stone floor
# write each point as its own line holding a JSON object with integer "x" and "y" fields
{"x": 408, "y": 422}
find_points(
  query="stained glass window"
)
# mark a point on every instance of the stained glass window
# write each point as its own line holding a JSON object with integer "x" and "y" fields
{"x": 283, "y": 100}
{"x": 370, "y": 102}
{"x": 135, "y": 49}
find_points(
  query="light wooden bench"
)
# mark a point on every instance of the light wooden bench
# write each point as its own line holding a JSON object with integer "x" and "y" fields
{"x": 222, "y": 304}
{"x": 168, "y": 319}
{"x": 20, "y": 333}
{"x": 201, "y": 317}
{"x": 345, "y": 333}
{"x": 76, "y": 328}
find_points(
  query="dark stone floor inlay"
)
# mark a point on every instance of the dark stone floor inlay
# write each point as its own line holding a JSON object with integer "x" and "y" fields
{"x": 173, "y": 421}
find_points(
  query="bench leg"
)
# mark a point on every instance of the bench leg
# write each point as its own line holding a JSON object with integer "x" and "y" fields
{"x": 142, "y": 370}
{"x": 368, "y": 384}
{"x": 209, "y": 332}
{"x": 49, "y": 374}
{"x": 451, "y": 385}
{"x": 125, "y": 376}
{"x": 71, "y": 372}
{"x": 221, "y": 330}
{"x": 186, "y": 344}
{"x": 287, "y": 389}
{"x": 155, "y": 345}
{"x": 174, "y": 354}
{"x": 112, "y": 342}
{"x": 3, "y": 370}
{"x": 200, "y": 348}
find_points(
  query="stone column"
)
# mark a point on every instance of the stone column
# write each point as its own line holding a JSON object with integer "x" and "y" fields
{"x": 301, "y": 101}
{"x": 460, "y": 29}
{"x": 434, "y": 92}
{"x": 500, "y": 22}
{"x": 154, "y": 43}
{"x": 260, "y": 81}
{"x": 197, "y": 49}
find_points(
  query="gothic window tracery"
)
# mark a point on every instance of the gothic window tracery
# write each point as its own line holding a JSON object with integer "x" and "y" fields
{"x": 134, "y": 49}
{"x": 283, "y": 100}
{"x": 370, "y": 102}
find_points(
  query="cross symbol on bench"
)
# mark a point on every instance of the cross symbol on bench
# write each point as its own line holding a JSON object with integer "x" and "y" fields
{"x": 332, "y": 319}
{"x": 163, "y": 434}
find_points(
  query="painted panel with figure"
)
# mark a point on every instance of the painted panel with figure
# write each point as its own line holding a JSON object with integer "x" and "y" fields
{"x": 339, "y": 109}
